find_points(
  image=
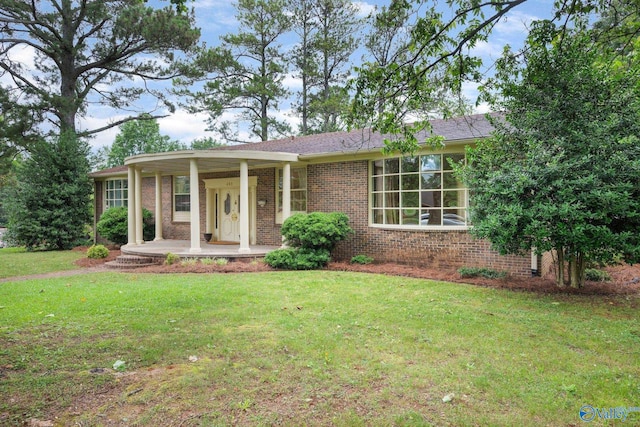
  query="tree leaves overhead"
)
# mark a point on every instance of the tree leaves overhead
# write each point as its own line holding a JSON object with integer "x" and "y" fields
{"x": 562, "y": 172}
{"x": 439, "y": 58}
{"x": 139, "y": 137}
{"x": 97, "y": 51}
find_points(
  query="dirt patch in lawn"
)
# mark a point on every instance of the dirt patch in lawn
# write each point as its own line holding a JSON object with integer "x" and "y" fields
{"x": 625, "y": 279}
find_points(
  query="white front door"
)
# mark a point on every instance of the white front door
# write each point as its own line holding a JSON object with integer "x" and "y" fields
{"x": 229, "y": 214}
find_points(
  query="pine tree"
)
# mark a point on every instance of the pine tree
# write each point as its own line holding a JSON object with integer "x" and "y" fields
{"x": 49, "y": 207}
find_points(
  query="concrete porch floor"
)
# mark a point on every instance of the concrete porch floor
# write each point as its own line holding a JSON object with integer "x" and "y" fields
{"x": 182, "y": 248}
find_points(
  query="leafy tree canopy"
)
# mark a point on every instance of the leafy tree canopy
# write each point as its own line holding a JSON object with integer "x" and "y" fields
{"x": 438, "y": 57}
{"x": 139, "y": 137}
{"x": 562, "y": 172}
{"x": 103, "y": 52}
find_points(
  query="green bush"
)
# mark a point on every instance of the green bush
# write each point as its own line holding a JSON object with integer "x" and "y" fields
{"x": 113, "y": 225}
{"x": 298, "y": 258}
{"x": 595, "y": 275}
{"x": 312, "y": 237}
{"x": 361, "y": 259}
{"x": 481, "y": 272}
{"x": 171, "y": 259}
{"x": 97, "y": 252}
{"x": 317, "y": 230}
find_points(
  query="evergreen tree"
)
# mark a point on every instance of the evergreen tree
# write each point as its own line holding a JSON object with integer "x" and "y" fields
{"x": 562, "y": 173}
{"x": 49, "y": 208}
{"x": 245, "y": 74}
{"x": 333, "y": 43}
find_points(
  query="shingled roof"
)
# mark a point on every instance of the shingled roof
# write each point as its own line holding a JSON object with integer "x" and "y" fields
{"x": 455, "y": 129}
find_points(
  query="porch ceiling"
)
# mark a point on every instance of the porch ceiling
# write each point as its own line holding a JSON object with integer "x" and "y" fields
{"x": 178, "y": 162}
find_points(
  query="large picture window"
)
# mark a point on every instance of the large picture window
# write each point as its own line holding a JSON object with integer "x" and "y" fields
{"x": 298, "y": 192}
{"x": 116, "y": 193}
{"x": 418, "y": 191}
{"x": 181, "y": 199}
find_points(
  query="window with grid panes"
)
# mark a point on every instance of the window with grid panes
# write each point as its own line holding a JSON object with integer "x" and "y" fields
{"x": 298, "y": 192}
{"x": 418, "y": 191}
{"x": 116, "y": 193}
{"x": 181, "y": 199}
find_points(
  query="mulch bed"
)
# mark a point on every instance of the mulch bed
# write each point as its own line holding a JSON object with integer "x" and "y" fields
{"x": 625, "y": 278}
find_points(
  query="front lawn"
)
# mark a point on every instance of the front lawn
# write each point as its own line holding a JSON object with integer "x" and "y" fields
{"x": 309, "y": 348}
{"x": 17, "y": 262}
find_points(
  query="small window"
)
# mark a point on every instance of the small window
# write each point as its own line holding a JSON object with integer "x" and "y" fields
{"x": 298, "y": 192}
{"x": 116, "y": 193}
{"x": 181, "y": 199}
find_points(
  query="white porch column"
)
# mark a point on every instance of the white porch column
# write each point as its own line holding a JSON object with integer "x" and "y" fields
{"x": 194, "y": 186}
{"x": 244, "y": 207}
{"x": 158, "y": 206}
{"x": 131, "y": 206}
{"x": 286, "y": 193}
{"x": 138, "y": 210}
{"x": 208, "y": 223}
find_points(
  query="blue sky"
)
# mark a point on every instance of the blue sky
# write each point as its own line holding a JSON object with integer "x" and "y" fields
{"x": 217, "y": 17}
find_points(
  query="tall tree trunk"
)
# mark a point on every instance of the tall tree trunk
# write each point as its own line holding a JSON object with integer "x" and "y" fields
{"x": 576, "y": 270}
{"x": 560, "y": 267}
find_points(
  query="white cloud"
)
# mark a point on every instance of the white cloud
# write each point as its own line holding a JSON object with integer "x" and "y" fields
{"x": 516, "y": 23}
{"x": 184, "y": 126}
{"x": 291, "y": 82}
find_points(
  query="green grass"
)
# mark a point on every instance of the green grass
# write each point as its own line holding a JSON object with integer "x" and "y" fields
{"x": 309, "y": 348}
{"x": 18, "y": 262}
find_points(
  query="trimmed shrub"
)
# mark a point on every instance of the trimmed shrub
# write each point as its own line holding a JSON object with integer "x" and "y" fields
{"x": 361, "y": 259}
{"x": 312, "y": 237}
{"x": 171, "y": 259}
{"x": 113, "y": 225}
{"x": 481, "y": 272}
{"x": 97, "y": 252}
{"x": 317, "y": 230}
{"x": 298, "y": 258}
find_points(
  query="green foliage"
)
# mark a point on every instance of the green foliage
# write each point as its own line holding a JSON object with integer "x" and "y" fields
{"x": 221, "y": 261}
{"x": 298, "y": 258}
{"x": 50, "y": 204}
{"x": 562, "y": 172}
{"x": 252, "y": 85}
{"x": 113, "y": 225}
{"x": 312, "y": 237}
{"x": 97, "y": 252}
{"x": 204, "y": 143}
{"x": 171, "y": 259}
{"x": 595, "y": 275}
{"x": 189, "y": 262}
{"x": 361, "y": 259}
{"x": 317, "y": 230}
{"x": 441, "y": 58}
{"x": 481, "y": 272}
{"x": 86, "y": 47}
{"x": 140, "y": 136}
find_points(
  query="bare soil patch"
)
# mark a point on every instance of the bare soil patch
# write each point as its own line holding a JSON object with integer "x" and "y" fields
{"x": 625, "y": 279}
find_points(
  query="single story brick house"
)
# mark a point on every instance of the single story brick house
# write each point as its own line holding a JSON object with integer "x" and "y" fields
{"x": 408, "y": 209}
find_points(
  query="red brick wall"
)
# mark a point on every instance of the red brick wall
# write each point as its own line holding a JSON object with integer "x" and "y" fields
{"x": 344, "y": 186}
{"x": 268, "y": 233}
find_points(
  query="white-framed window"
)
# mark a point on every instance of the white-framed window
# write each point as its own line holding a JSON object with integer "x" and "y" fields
{"x": 418, "y": 191}
{"x": 116, "y": 193}
{"x": 181, "y": 199}
{"x": 298, "y": 192}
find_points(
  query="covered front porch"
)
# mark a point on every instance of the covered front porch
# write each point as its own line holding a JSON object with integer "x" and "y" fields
{"x": 225, "y": 209}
